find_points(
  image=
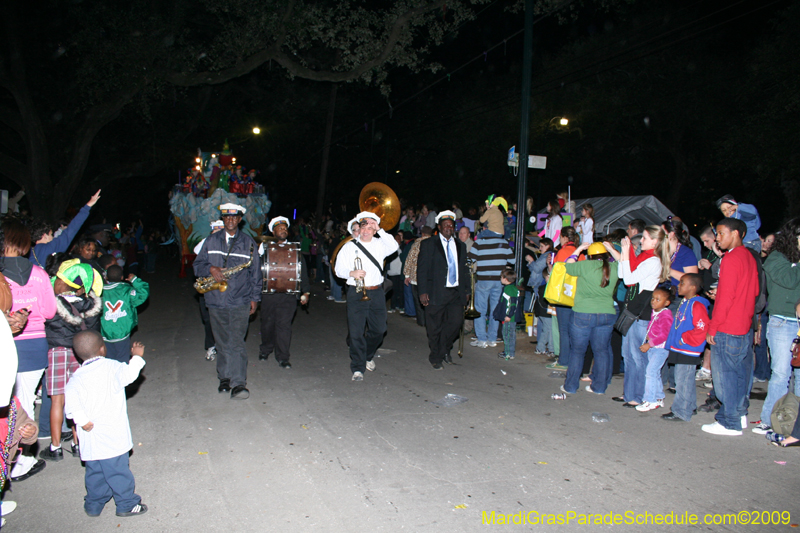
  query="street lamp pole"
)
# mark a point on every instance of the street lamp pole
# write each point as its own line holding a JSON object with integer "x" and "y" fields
{"x": 522, "y": 183}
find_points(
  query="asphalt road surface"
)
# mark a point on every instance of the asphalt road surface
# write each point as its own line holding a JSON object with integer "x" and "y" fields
{"x": 310, "y": 450}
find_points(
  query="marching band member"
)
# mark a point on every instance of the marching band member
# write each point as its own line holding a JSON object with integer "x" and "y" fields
{"x": 370, "y": 253}
{"x": 278, "y": 309}
{"x": 230, "y": 310}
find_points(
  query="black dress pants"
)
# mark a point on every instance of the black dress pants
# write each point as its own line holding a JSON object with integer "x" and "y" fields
{"x": 443, "y": 323}
{"x": 277, "y": 313}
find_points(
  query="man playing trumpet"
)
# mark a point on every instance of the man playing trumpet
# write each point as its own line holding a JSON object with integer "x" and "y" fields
{"x": 369, "y": 314}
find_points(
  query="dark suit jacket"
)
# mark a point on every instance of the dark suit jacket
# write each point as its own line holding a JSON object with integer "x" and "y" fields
{"x": 432, "y": 270}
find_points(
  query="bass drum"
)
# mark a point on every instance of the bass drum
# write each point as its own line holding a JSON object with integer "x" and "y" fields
{"x": 280, "y": 268}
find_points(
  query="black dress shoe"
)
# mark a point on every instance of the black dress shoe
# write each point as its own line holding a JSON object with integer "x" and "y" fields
{"x": 618, "y": 398}
{"x": 35, "y": 469}
{"x": 224, "y": 385}
{"x": 448, "y": 359}
{"x": 285, "y": 364}
{"x": 709, "y": 406}
{"x": 671, "y": 390}
{"x": 240, "y": 392}
{"x": 438, "y": 366}
{"x": 629, "y": 404}
{"x": 672, "y": 416}
{"x": 52, "y": 455}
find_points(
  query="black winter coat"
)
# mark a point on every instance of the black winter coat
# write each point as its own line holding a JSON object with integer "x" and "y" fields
{"x": 71, "y": 312}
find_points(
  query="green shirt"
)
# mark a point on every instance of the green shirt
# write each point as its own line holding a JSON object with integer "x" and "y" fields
{"x": 589, "y": 296}
{"x": 783, "y": 284}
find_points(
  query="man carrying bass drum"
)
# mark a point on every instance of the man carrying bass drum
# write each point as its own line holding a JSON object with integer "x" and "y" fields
{"x": 280, "y": 291}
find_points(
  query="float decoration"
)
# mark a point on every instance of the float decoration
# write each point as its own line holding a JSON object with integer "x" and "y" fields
{"x": 195, "y": 201}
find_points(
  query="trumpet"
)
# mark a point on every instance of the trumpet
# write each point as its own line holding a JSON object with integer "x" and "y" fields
{"x": 360, "y": 281}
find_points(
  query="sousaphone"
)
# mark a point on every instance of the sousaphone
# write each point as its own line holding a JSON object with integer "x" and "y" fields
{"x": 380, "y": 199}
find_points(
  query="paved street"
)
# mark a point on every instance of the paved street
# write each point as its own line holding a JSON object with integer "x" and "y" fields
{"x": 312, "y": 451}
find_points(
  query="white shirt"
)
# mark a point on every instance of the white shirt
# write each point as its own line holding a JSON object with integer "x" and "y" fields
{"x": 199, "y": 247}
{"x": 646, "y": 274}
{"x": 552, "y": 227}
{"x": 8, "y": 362}
{"x": 586, "y": 229}
{"x": 379, "y": 248}
{"x": 453, "y": 251}
{"x": 96, "y": 393}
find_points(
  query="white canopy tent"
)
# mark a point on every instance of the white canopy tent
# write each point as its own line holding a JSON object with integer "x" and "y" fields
{"x": 612, "y": 212}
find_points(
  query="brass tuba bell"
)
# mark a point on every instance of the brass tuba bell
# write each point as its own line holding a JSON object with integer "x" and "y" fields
{"x": 380, "y": 199}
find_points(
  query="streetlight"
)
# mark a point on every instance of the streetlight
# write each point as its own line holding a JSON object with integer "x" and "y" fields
{"x": 256, "y": 130}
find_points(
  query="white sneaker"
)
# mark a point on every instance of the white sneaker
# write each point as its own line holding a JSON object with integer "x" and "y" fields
{"x": 478, "y": 344}
{"x": 649, "y": 406}
{"x": 588, "y": 388}
{"x": 718, "y": 429}
{"x": 744, "y": 422}
{"x": 7, "y": 507}
{"x": 702, "y": 374}
{"x": 330, "y": 298}
{"x": 370, "y": 365}
{"x": 708, "y": 384}
{"x": 358, "y": 376}
{"x": 491, "y": 344}
{"x": 761, "y": 428}
{"x": 211, "y": 353}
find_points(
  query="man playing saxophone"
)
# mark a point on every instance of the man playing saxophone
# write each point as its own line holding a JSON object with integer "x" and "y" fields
{"x": 230, "y": 310}
{"x": 371, "y": 313}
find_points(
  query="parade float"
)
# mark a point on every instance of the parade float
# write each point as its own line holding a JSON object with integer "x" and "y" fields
{"x": 215, "y": 179}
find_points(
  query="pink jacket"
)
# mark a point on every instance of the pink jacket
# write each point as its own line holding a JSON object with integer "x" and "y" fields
{"x": 38, "y": 295}
{"x": 658, "y": 328}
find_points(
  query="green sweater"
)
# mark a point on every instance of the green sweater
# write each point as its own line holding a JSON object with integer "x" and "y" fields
{"x": 783, "y": 284}
{"x": 589, "y": 296}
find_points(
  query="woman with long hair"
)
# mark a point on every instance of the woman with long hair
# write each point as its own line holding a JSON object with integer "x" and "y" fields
{"x": 782, "y": 269}
{"x": 593, "y": 317}
{"x": 682, "y": 258}
{"x": 553, "y": 224}
{"x": 31, "y": 290}
{"x": 647, "y": 270}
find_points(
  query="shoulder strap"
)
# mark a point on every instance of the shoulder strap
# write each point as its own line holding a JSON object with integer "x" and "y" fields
{"x": 230, "y": 247}
{"x": 374, "y": 261}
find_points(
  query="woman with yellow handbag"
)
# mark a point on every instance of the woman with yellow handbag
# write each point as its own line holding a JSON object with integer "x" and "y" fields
{"x": 593, "y": 317}
{"x": 563, "y": 311}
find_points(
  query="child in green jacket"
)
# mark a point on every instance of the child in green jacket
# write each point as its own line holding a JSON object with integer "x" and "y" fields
{"x": 120, "y": 300}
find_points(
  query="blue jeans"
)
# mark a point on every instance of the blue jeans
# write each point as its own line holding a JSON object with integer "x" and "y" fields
{"x": 564, "y": 315}
{"x": 408, "y": 298}
{"x": 544, "y": 334}
{"x": 487, "y": 295}
{"x": 653, "y": 386}
{"x": 780, "y": 333}
{"x": 762, "y": 370}
{"x": 336, "y": 287}
{"x": 586, "y": 329}
{"x": 685, "y": 401}
{"x": 635, "y": 362}
{"x": 731, "y": 372}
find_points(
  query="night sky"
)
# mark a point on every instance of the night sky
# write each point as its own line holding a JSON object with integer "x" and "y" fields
{"x": 686, "y": 101}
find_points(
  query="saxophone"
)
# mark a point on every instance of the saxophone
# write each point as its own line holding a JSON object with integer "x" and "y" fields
{"x": 204, "y": 285}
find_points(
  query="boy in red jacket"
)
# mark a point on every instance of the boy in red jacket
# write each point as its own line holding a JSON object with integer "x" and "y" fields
{"x": 730, "y": 334}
